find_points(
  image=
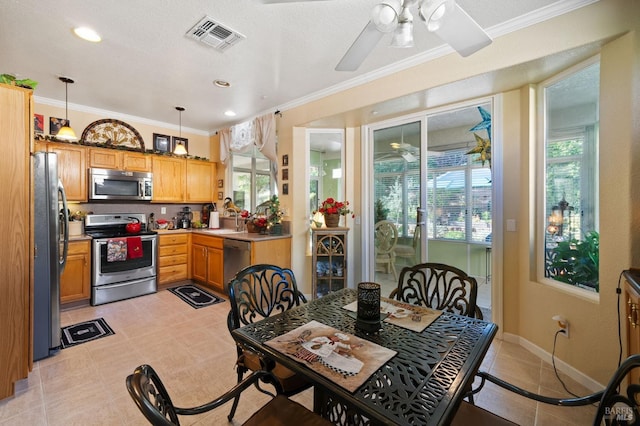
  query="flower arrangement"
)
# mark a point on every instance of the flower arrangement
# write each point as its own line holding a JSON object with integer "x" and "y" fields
{"x": 331, "y": 206}
{"x": 267, "y": 218}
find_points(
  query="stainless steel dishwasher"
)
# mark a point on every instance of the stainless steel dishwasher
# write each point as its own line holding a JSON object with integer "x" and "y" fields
{"x": 237, "y": 255}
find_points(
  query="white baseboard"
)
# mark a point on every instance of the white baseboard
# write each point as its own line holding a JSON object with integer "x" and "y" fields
{"x": 562, "y": 366}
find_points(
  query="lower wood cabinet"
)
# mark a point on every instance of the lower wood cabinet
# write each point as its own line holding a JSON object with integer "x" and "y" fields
{"x": 75, "y": 280}
{"x": 173, "y": 258}
{"x": 207, "y": 261}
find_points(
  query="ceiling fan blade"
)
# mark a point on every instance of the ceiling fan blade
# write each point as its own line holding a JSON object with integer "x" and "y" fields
{"x": 461, "y": 32}
{"x": 360, "y": 49}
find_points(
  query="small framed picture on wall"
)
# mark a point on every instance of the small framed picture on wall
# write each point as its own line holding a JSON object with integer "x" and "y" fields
{"x": 220, "y": 183}
{"x": 55, "y": 124}
{"x": 220, "y": 195}
{"x": 38, "y": 123}
{"x": 285, "y": 160}
{"x": 285, "y": 174}
{"x": 161, "y": 143}
{"x": 285, "y": 189}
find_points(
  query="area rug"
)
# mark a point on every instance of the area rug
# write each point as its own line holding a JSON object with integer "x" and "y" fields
{"x": 195, "y": 296}
{"x": 85, "y": 332}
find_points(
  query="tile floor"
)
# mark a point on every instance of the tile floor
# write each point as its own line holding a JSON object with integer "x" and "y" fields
{"x": 194, "y": 354}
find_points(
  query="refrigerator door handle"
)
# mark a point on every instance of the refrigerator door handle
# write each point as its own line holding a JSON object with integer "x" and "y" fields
{"x": 65, "y": 250}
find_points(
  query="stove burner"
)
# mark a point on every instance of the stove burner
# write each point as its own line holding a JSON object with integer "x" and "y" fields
{"x": 114, "y": 225}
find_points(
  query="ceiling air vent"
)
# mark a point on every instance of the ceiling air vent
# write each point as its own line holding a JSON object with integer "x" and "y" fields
{"x": 214, "y": 34}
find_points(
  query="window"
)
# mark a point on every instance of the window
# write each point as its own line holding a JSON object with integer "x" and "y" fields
{"x": 571, "y": 238}
{"x": 458, "y": 196}
{"x": 252, "y": 179}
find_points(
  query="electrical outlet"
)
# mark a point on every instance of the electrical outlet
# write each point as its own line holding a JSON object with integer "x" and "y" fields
{"x": 563, "y": 325}
{"x": 163, "y": 210}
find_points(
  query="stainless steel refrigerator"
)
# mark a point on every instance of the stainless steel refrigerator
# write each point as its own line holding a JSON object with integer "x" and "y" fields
{"x": 51, "y": 239}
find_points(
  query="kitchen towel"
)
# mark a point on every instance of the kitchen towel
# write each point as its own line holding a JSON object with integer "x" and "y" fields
{"x": 214, "y": 220}
{"x": 117, "y": 250}
{"x": 134, "y": 247}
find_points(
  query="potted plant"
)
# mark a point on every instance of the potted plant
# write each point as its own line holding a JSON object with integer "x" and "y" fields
{"x": 576, "y": 262}
{"x": 332, "y": 210}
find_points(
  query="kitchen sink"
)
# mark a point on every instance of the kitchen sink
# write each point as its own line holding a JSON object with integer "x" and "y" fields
{"x": 220, "y": 231}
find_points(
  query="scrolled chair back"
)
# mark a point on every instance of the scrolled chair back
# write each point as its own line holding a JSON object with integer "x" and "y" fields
{"x": 151, "y": 397}
{"x": 438, "y": 286}
{"x": 259, "y": 291}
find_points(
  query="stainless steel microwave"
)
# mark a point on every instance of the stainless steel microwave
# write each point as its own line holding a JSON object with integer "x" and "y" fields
{"x": 106, "y": 184}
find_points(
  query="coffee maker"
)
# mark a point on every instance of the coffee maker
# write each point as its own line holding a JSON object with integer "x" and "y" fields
{"x": 184, "y": 218}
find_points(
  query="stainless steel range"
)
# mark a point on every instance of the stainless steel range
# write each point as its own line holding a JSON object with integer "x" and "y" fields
{"x": 121, "y": 276}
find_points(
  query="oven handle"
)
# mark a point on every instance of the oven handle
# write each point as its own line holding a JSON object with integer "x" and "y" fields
{"x": 143, "y": 237}
{"x": 122, "y": 284}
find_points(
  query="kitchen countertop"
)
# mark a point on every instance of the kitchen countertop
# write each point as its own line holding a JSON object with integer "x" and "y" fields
{"x": 80, "y": 237}
{"x": 225, "y": 233}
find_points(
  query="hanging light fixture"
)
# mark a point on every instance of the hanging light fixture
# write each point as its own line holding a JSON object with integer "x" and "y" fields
{"x": 179, "y": 149}
{"x": 66, "y": 133}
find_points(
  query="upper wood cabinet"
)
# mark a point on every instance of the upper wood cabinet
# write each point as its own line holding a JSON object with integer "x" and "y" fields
{"x": 136, "y": 162}
{"x": 16, "y": 254}
{"x": 168, "y": 179}
{"x": 72, "y": 169}
{"x": 200, "y": 181}
{"x": 105, "y": 158}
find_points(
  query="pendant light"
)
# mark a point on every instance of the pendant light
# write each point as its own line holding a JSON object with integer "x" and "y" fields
{"x": 179, "y": 149}
{"x": 66, "y": 133}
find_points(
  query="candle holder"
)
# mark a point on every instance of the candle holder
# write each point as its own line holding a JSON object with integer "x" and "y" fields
{"x": 368, "y": 313}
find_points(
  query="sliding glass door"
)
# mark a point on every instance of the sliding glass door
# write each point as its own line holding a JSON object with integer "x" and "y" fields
{"x": 432, "y": 187}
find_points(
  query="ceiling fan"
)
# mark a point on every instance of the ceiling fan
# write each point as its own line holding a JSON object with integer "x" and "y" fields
{"x": 444, "y": 18}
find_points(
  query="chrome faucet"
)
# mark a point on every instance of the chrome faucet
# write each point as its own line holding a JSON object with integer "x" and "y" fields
{"x": 236, "y": 214}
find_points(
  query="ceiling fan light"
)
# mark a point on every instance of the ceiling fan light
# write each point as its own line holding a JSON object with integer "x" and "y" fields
{"x": 433, "y": 12}
{"x": 403, "y": 35}
{"x": 385, "y": 15}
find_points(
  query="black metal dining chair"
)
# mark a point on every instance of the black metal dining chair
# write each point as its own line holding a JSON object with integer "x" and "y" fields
{"x": 257, "y": 292}
{"x": 152, "y": 399}
{"x": 616, "y": 406}
{"x": 438, "y": 286}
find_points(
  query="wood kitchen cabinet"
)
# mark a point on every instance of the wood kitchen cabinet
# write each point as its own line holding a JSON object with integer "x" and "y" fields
{"x": 75, "y": 280}
{"x": 173, "y": 258}
{"x": 104, "y": 158}
{"x": 274, "y": 252}
{"x": 632, "y": 307}
{"x": 168, "y": 179}
{"x": 207, "y": 261}
{"x": 16, "y": 253}
{"x": 72, "y": 169}
{"x": 200, "y": 179}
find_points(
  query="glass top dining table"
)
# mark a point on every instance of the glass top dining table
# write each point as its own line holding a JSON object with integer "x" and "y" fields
{"x": 423, "y": 384}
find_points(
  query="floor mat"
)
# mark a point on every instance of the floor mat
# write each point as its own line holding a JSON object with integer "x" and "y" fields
{"x": 195, "y": 296}
{"x": 85, "y": 332}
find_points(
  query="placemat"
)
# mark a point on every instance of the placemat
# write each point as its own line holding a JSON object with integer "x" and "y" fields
{"x": 345, "y": 359}
{"x": 412, "y": 317}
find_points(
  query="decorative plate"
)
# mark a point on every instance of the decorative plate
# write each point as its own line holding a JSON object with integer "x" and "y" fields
{"x": 112, "y": 133}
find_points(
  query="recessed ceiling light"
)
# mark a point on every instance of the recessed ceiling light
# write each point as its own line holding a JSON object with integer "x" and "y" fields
{"x": 88, "y": 34}
{"x": 230, "y": 113}
{"x": 222, "y": 83}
